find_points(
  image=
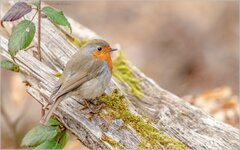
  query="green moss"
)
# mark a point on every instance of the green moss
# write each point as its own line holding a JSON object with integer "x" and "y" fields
{"x": 81, "y": 42}
{"x": 57, "y": 74}
{"x": 122, "y": 71}
{"x": 111, "y": 141}
{"x": 77, "y": 42}
{"x": 150, "y": 137}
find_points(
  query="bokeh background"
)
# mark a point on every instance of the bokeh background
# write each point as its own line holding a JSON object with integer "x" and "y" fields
{"x": 190, "y": 48}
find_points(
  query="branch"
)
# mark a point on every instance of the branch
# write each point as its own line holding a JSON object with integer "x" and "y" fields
{"x": 175, "y": 116}
{"x": 170, "y": 114}
{"x": 39, "y": 29}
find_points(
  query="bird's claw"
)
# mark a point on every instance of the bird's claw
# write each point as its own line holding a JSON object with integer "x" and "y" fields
{"x": 93, "y": 109}
{"x": 96, "y": 111}
{"x": 86, "y": 105}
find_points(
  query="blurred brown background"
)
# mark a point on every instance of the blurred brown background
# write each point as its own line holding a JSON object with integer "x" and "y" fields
{"x": 188, "y": 47}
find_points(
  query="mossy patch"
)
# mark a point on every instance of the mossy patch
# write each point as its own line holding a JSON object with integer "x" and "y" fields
{"x": 122, "y": 72}
{"x": 112, "y": 141}
{"x": 75, "y": 41}
{"x": 57, "y": 74}
{"x": 150, "y": 137}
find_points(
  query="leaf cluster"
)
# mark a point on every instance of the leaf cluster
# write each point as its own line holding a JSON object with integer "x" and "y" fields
{"x": 23, "y": 33}
{"x": 54, "y": 136}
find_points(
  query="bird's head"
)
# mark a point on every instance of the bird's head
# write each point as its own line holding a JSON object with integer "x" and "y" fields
{"x": 99, "y": 49}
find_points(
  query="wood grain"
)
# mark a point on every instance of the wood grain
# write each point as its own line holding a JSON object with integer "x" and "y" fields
{"x": 170, "y": 113}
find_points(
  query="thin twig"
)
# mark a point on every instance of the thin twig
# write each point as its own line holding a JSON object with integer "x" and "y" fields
{"x": 13, "y": 124}
{"x": 39, "y": 30}
{"x": 63, "y": 31}
{"x": 9, "y": 123}
{"x": 30, "y": 47}
{"x": 13, "y": 58}
{"x": 42, "y": 111}
{"x": 21, "y": 114}
{"x": 33, "y": 16}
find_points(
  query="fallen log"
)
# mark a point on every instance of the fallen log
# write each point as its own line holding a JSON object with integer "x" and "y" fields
{"x": 176, "y": 122}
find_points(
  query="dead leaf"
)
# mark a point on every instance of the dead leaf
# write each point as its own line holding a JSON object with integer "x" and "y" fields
{"x": 217, "y": 93}
{"x": 219, "y": 103}
{"x": 17, "y": 11}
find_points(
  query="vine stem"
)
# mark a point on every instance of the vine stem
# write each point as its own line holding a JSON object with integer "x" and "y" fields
{"x": 39, "y": 30}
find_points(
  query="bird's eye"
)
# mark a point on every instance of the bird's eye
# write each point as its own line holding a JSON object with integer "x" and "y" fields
{"x": 99, "y": 48}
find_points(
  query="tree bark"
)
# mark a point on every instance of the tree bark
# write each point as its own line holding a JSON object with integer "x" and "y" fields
{"x": 170, "y": 114}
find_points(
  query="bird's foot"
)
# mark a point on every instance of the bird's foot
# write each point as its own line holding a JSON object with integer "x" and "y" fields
{"x": 96, "y": 111}
{"x": 92, "y": 109}
{"x": 86, "y": 105}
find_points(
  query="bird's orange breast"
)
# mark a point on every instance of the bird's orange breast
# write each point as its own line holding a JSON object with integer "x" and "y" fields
{"x": 104, "y": 55}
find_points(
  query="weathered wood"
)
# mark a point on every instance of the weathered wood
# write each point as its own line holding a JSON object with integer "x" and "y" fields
{"x": 178, "y": 118}
{"x": 170, "y": 114}
{"x": 56, "y": 51}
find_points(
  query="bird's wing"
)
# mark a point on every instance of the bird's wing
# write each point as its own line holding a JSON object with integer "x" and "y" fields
{"x": 76, "y": 74}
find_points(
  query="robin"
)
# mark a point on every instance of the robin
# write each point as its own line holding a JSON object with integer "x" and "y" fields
{"x": 87, "y": 74}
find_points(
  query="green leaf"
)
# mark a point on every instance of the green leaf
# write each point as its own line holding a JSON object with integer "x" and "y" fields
{"x": 54, "y": 122}
{"x": 34, "y": 2}
{"x": 56, "y": 17}
{"x": 7, "y": 64}
{"x": 38, "y": 135}
{"x": 21, "y": 36}
{"x": 63, "y": 140}
{"x": 49, "y": 144}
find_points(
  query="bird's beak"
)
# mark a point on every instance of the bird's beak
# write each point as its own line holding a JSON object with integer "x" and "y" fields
{"x": 111, "y": 49}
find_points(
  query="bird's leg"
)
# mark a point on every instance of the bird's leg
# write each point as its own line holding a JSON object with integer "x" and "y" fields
{"x": 97, "y": 110}
{"x": 93, "y": 108}
{"x": 86, "y": 105}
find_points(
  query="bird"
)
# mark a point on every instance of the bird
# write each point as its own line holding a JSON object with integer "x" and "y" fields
{"x": 87, "y": 74}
